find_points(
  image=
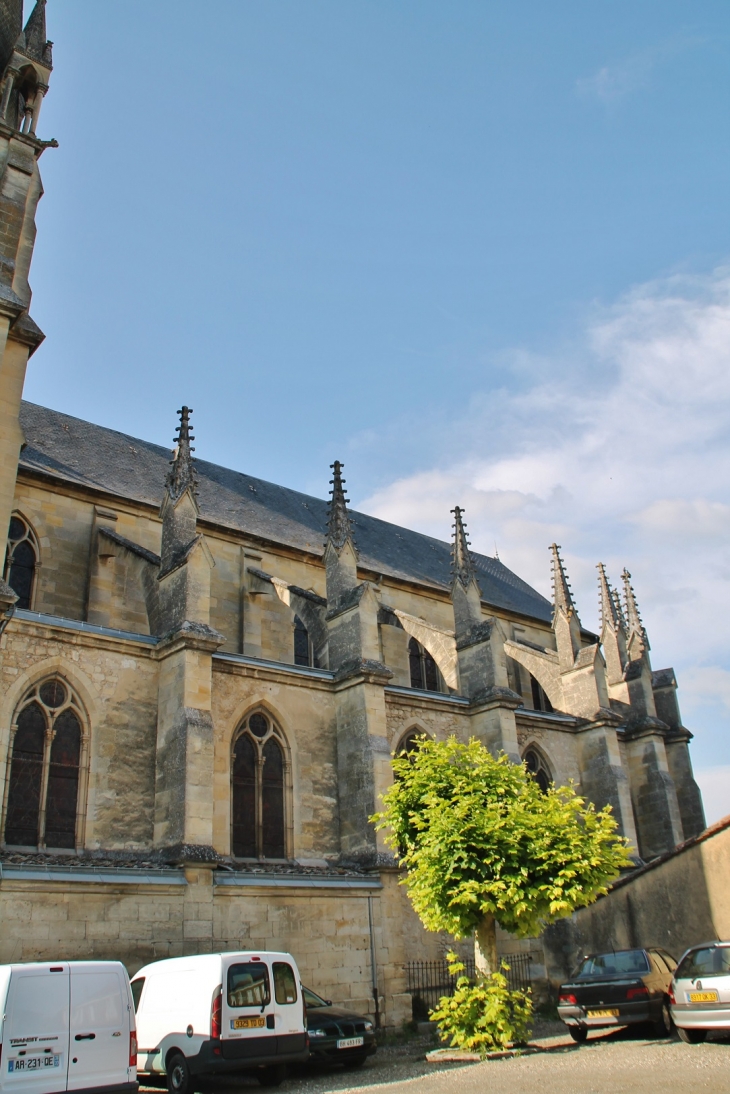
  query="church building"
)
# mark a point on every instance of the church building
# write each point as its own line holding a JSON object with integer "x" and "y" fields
{"x": 204, "y": 678}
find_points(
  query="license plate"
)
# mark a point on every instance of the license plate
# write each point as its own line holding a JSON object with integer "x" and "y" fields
{"x": 350, "y": 1042}
{"x": 703, "y": 997}
{"x": 248, "y": 1023}
{"x": 602, "y": 1013}
{"x": 19, "y": 1064}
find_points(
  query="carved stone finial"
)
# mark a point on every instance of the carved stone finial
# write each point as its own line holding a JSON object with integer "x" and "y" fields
{"x": 462, "y": 564}
{"x": 633, "y": 618}
{"x": 562, "y": 595}
{"x": 182, "y": 475}
{"x": 339, "y": 525}
{"x": 36, "y": 43}
{"x": 611, "y": 614}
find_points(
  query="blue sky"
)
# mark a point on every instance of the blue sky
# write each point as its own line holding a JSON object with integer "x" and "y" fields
{"x": 479, "y": 251}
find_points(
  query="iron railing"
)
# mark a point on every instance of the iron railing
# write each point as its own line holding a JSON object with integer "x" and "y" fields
{"x": 429, "y": 981}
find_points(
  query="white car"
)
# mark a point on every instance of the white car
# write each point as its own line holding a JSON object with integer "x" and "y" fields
{"x": 700, "y": 992}
{"x": 217, "y": 1013}
{"x": 67, "y": 1026}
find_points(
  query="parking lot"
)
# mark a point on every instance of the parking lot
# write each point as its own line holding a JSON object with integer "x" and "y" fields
{"x": 613, "y": 1063}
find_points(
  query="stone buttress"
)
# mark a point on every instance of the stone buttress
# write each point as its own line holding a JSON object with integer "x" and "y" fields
{"x": 184, "y": 768}
{"x": 26, "y": 68}
{"x": 363, "y": 752}
{"x": 482, "y": 666}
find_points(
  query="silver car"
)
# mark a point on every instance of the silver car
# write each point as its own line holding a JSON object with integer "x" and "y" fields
{"x": 699, "y": 996}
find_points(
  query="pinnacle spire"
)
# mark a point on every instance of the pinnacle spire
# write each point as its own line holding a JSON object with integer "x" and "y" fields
{"x": 562, "y": 596}
{"x": 462, "y": 564}
{"x": 181, "y": 477}
{"x": 633, "y": 618}
{"x": 339, "y": 525}
{"x": 35, "y": 32}
{"x": 611, "y": 614}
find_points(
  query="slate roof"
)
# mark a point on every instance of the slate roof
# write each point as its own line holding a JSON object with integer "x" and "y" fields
{"x": 102, "y": 459}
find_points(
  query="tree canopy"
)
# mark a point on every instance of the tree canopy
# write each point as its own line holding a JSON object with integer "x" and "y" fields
{"x": 481, "y": 841}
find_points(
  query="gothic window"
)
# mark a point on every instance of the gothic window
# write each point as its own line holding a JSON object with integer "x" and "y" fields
{"x": 535, "y": 763}
{"x": 410, "y": 743}
{"x": 302, "y": 645}
{"x": 424, "y": 670}
{"x": 259, "y": 777}
{"x": 540, "y": 700}
{"x": 47, "y": 760}
{"x": 21, "y": 561}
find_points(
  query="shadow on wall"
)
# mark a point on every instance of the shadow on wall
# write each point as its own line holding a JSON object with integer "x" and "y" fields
{"x": 676, "y": 901}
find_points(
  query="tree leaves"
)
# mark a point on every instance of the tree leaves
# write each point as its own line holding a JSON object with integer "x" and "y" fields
{"x": 479, "y": 837}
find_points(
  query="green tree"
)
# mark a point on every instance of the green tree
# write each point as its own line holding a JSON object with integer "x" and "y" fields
{"x": 482, "y": 844}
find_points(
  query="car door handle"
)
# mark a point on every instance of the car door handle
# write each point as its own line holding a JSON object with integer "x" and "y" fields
{"x": 85, "y": 1037}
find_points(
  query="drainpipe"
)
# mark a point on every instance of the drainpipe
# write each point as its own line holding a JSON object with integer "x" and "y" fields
{"x": 373, "y": 966}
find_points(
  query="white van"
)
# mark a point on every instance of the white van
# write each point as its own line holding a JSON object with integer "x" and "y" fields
{"x": 67, "y": 1026}
{"x": 220, "y": 1012}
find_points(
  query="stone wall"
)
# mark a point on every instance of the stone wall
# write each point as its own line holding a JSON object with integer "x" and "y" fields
{"x": 678, "y": 901}
{"x": 332, "y": 931}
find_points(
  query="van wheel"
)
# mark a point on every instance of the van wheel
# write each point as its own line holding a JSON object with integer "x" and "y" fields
{"x": 273, "y": 1075}
{"x": 179, "y": 1079}
{"x": 692, "y": 1036}
{"x": 578, "y": 1033}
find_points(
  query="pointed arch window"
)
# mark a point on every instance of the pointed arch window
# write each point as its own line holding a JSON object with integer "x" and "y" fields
{"x": 21, "y": 560}
{"x": 259, "y": 777}
{"x": 302, "y": 644}
{"x": 537, "y": 766}
{"x": 410, "y": 742}
{"x": 540, "y": 700}
{"x": 424, "y": 670}
{"x": 46, "y": 773}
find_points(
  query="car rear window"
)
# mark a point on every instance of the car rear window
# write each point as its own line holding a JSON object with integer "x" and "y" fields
{"x": 248, "y": 985}
{"x": 285, "y": 985}
{"x": 711, "y": 961}
{"x": 623, "y": 963}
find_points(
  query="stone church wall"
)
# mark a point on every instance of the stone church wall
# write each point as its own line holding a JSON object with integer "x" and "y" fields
{"x": 116, "y": 681}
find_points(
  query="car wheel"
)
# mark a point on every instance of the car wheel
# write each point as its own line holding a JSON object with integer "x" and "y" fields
{"x": 663, "y": 1024}
{"x": 578, "y": 1033}
{"x": 272, "y": 1076}
{"x": 692, "y": 1036}
{"x": 356, "y": 1061}
{"x": 179, "y": 1079}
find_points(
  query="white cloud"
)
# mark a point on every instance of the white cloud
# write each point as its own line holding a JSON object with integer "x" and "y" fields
{"x": 714, "y": 782}
{"x": 618, "y": 449}
{"x": 613, "y": 82}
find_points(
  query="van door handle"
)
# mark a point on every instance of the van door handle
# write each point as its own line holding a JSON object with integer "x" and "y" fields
{"x": 85, "y": 1037}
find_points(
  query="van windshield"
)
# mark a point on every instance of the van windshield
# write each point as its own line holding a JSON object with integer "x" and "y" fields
{"x": 711, "y": 961}
{"x": 248, "y": 985}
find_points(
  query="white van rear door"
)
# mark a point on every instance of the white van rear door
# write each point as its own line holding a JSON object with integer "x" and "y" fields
{"x": 35, "y": 1033}
{"x": 100, "y": 1025}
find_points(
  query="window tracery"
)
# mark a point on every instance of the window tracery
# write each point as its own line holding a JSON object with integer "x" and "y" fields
{"x": 259, "y": 773}
{"x": 46, "y": 768}
{"x": 537, "y": 766}
{"x": 21, "y": 560}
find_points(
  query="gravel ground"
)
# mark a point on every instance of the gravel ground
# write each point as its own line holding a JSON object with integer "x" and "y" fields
{"x": 622, "y": 1062}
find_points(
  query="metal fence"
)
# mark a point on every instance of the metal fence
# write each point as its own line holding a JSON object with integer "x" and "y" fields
{"x": 429, "y": 981}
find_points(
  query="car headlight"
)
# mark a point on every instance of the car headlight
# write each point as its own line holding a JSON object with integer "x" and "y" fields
{"x": 317, "y": 1033}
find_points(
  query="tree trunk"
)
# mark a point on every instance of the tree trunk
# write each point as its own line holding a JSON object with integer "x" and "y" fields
{"x": 485, "y": 946}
